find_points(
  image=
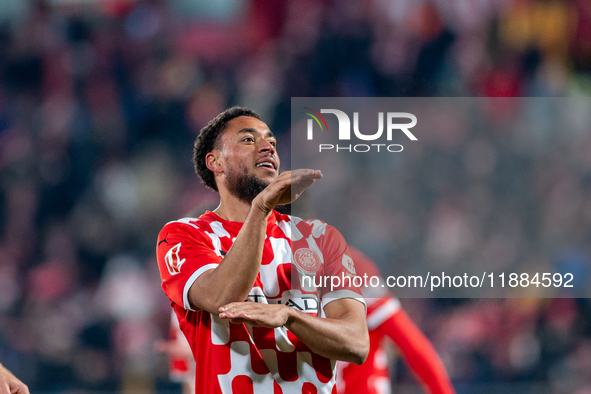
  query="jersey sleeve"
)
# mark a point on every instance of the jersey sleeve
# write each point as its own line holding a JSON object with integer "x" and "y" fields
{"x": 338, "y": 264}
{"x": 184, "y": 252}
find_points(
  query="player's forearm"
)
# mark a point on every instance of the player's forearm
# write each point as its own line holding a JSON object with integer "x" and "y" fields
{"x": 342, "y": 335}
{"x": 345, "y": 338}
{"x": 233, "y": 278}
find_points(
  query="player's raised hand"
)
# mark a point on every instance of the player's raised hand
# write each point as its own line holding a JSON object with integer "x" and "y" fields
{"x": 256, "y": 314}
{"x": 9, "y": 384}
{"x": 287, "y": 188}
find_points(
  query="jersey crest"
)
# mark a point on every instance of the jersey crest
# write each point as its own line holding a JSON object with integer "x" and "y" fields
{"x": 307, "y": 260}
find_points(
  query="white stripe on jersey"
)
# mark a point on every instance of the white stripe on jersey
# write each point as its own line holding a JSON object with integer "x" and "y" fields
{"x": 318, "y": 227}
{"x": 220, "y": 330}
{"x": 382, "y": 385}
{"x": 383, "y": 313}
{"x": 217, "y": 244}
{"x": 338, "y": 295}
{"x": 282, "y": 342}
{"x": 192, "y": 280}
{"x": 185, "y": 221}
{"x": 296, "y": 235}
{"x": 268, "y": 272}
{"x": 219, "y": 230}
{"x": 285, "y": 227}
{"x": 314, "y": 246}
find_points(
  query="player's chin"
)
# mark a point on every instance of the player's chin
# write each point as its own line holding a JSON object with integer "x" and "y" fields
{"x": 266, "y": 173}
{"x": 267, "y": 178}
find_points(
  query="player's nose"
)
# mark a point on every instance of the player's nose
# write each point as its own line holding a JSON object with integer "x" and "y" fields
{"x": 266, "y": 146}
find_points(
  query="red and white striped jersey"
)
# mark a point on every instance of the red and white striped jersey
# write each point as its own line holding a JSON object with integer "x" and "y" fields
{"x": 239, "y": 358}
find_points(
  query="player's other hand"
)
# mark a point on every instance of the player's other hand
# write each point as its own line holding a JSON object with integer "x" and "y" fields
{"x": 9, "y": 384}
{"x": 255, "y": 314}
{"x": 287, "y": 188}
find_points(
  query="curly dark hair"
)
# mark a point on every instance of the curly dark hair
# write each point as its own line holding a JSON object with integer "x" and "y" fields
{"x": 208, "y": 139}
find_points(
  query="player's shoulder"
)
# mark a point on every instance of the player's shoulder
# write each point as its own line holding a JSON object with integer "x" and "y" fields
{"x": 310, "y": 227}
{"x": 182, "y": 224}
{"x": 189, "y": 225}
{"x": 207, "y": 218}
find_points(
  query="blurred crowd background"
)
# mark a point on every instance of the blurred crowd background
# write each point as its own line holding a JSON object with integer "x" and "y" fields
{"x": 100, "y": 101}
{"x": 492, "y": 184}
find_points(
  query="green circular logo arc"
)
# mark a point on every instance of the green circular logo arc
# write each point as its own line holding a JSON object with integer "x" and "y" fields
{"x": 316, "y": 118}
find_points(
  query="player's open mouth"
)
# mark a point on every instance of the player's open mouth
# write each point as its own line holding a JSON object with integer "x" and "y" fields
{"x": 267, "y": 164}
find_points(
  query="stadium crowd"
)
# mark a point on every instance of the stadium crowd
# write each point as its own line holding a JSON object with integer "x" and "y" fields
{"x": 100, "y": 102}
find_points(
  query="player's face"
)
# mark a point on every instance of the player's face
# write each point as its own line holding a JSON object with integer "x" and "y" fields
{"x": 248, "y": 149}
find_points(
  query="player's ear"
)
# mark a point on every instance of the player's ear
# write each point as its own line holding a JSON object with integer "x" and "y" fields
{"x": 213, "y": 161}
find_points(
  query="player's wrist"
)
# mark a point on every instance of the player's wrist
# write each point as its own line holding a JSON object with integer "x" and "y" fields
{"x": 260, "y": 207}
{"x": 292, "y": 316}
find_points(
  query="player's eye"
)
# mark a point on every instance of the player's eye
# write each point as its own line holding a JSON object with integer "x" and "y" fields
{"x": 248, "y": 139}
